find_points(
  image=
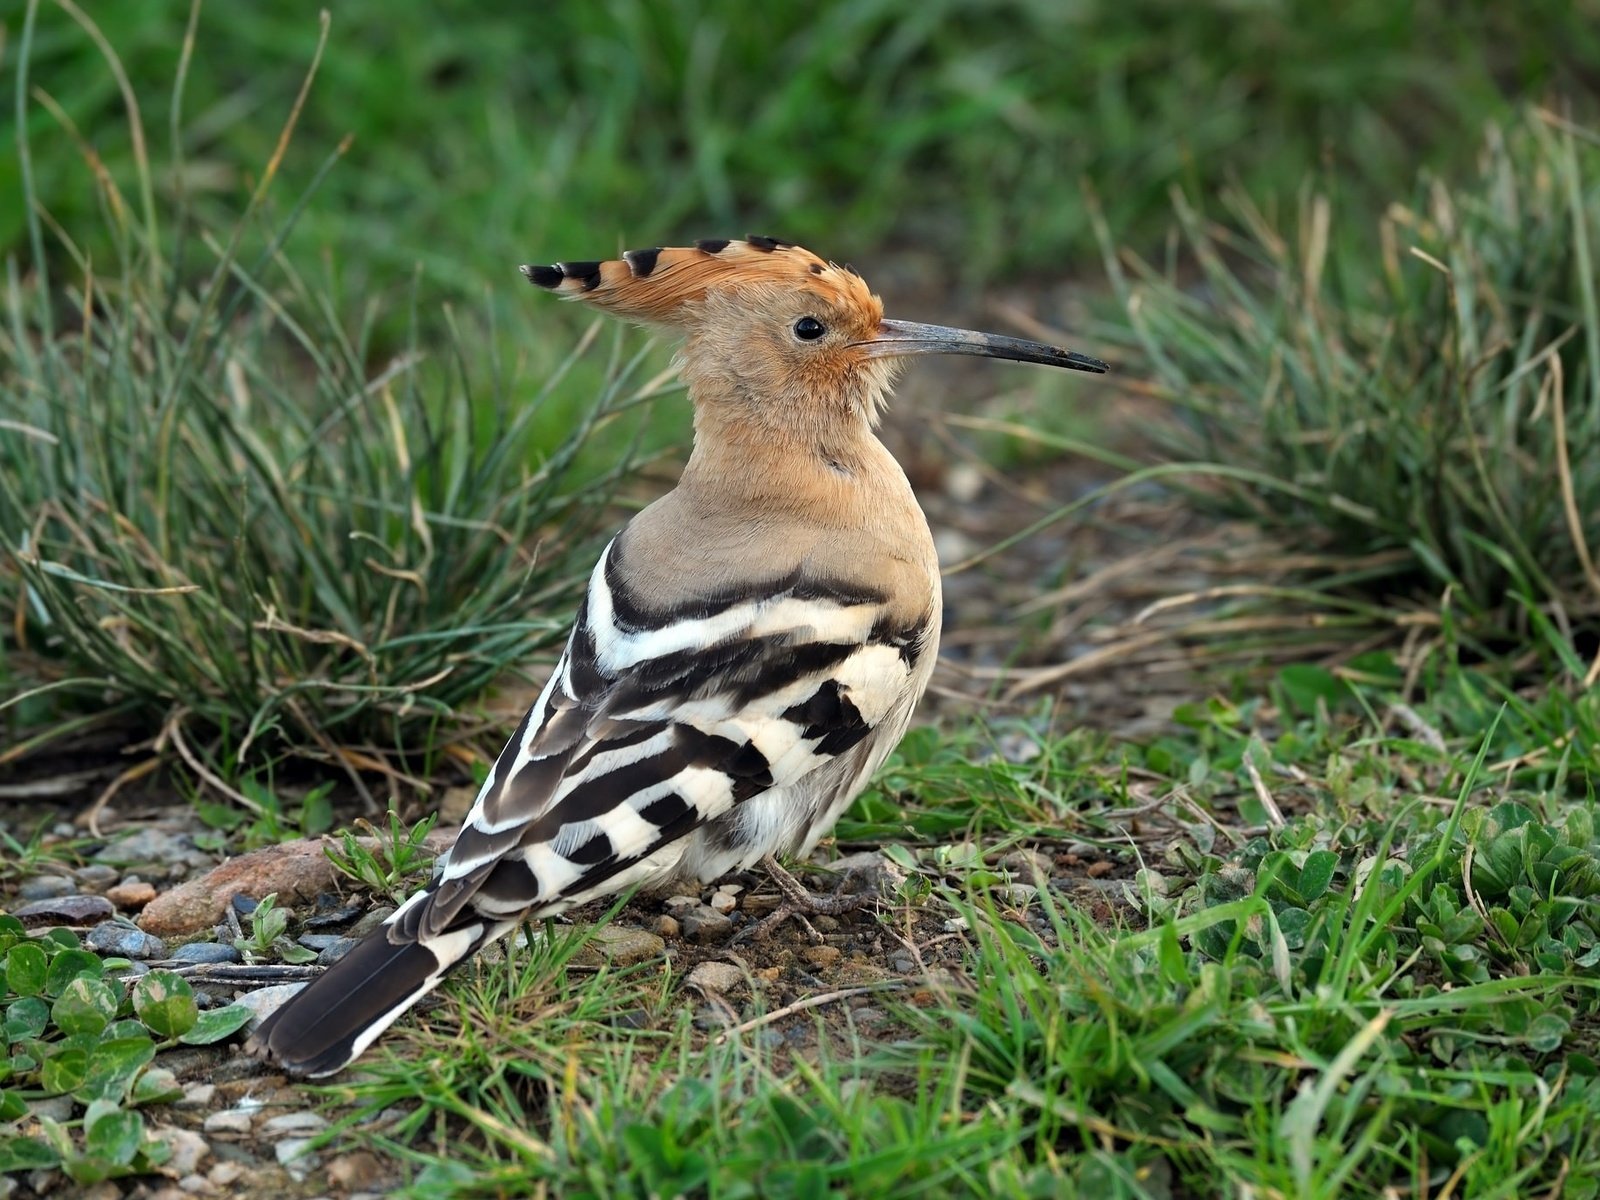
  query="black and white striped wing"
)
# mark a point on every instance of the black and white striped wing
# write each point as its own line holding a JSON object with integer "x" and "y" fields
{"x": 655, "y": 723}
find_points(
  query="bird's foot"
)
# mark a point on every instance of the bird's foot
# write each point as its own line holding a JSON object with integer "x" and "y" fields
{"x": 800, "y": 903}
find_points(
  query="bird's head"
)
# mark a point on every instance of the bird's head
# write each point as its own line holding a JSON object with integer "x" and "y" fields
{"x": 779, "y": 341}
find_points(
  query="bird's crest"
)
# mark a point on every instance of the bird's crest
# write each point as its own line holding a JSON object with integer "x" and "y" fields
{"x": 665, "y": 284}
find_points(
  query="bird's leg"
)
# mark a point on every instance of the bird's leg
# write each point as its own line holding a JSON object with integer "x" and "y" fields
{"x": 799, "y": 903}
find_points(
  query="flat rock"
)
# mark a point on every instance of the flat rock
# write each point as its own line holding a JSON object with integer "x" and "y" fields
{"x": 113, "y": 937}
{"x": 187, "y": 1149}
{"x": 620, "y": 945}
{"x": 131, "y": 894}
{"x": 704, "y": 924}
{"x": 66, "y": 910}
{"x": 47, "y": 887}
{"x": 715, "y": 977}
{"x": 356, "y": 1172}
{"x": 205, "y": 952}
{"x": 723, "y": 902}
{"x": 302, "y": 1123}
{"x": 296, "y": 871}
{"x": 335, "y": 950}
{"x": 229, "y": 1120}
{"x": 263, "y": 1002}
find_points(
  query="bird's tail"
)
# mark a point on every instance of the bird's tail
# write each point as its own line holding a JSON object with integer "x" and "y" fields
{"x": 326, "y": 1026}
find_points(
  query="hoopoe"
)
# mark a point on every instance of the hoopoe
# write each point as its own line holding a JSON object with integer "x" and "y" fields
{"x": 749, "y": 649}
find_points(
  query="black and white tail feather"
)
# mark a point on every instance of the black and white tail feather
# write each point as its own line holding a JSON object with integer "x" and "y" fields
{"x": 671, "y": 743}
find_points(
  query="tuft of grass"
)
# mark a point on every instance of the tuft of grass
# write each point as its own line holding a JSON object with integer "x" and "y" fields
{"x": 1433, "y": 390}
{"x": 222, "y": 517}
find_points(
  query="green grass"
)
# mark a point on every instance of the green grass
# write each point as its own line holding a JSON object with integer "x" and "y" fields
{"x": 1397, "y": 985}
{"x": 963, "y": 127}
{"x": 283, "y": 475}
{"x": 1430, "y": 392}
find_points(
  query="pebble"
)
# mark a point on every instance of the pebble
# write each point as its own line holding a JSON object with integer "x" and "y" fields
{"x": 225, "y": 1173}
{"x": 205, "y": 952}
{"x": 263, "y": 1002}
{"x": 956, "y": 925}
{"x": 1100, "y": 869}
{"x": 668, "y": 926}
{"x": 822, "y": 956}
{"x": 318, "y": 941}
{"x": 703, "y": 924}
{"x": 124, "y": 940}
{"x": 825, "y": 924}
{"x": 715, "y": 977}
{"x": 355, "y": 1172}
{"x": 903, "y": 963}
{"x": 131, "y": 893}
{"x": 1019, "y": 894}
{"x": 198, "y": 1095}
{"x": 623, "y": 946}
{"x": 187, "y": 1147}
{"x": 295, "y": 1122}
{"x": 46, "y": 887}
{"x": 374, "y": 917}
{"x": 679, "y": 905}
{"x": 229, "y": 1120}
{"x": 57, "y": 1108}
{"x": 869, "y": 1016}
{"x": 335, "y": 950}
{"x": 97, "y": 877}
{"x": 295, "y": 1156}
{"x": 723, "y": 902}
{"x": 145, "y": 846}
{"x": 65, "y": 910}
{"x": 196, "y": 1184}
{"x": 1029, "y": 866}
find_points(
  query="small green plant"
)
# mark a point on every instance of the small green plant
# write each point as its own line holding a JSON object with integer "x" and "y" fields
{"x": 268, "y": 938}
{"x": 71, "y": 1027}
{"x": 391, "y": 865}
{"x": 265, "y": 822}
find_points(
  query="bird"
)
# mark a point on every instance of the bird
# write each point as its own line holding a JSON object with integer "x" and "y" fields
{"x": 749, "y": 649}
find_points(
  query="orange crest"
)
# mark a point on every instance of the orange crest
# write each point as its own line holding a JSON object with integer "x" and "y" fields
{"x": 666, "y": 285}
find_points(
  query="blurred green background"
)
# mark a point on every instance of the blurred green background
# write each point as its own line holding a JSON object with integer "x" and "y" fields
{"x": 482, "y": 139}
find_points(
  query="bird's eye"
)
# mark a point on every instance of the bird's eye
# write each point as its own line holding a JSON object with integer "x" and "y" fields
{"x": 809, "y": 329}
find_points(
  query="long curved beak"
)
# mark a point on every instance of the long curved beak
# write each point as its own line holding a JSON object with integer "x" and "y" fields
{"x": 901, "y": 339}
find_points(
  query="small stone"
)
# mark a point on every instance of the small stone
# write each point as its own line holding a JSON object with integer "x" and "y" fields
{"x": 1100, "y": 869}
{"x": 225, "y": 1173}
{"x": 198, "y": 1095}
{"x": 229, "y": 1120}
{"x": 623, "y": 946}
{"x": 57, "y": 1108}
{"x": 678, "y": 905}
{"x": 105, "y": 1190}
{"x": 196, "y": 1185}
{"x": 1019, "y": 894}
{"x": 723, "y": 902}
{"x": 903, "y": 963}
{"x": 715, "y": 977}
{"x": 1029, "y": 866}
{"x": 318, "y": 941}
{"x": 733, "y": 889}
{"x": 125, "y": 941}
{"x": 263, "y": 1002}
{"x": 295, "y": 1122}
{"x": 822, "y": 956}
{"x": 335, "y": 950}
{"x": 668, "y": 927}
{"x": 868, "y": 1017}
{"x": 374, "y": 917}
{"x": 148, "y": 845}
{"x": 956, "y": 925}
{"x": 295, "y": 1155}
{"x": 356, "y": 1172}
{"x": 97, "y": 877}
{"x": 47, "y": 887}
{"x": 187, "y": 1149}
{"x": 824, "y": 923}
{"x": 131, "y": 894}
{"x": 205, "y": 952}
{"x": 66, "y": 910}
{"x": 702, "y": 924}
